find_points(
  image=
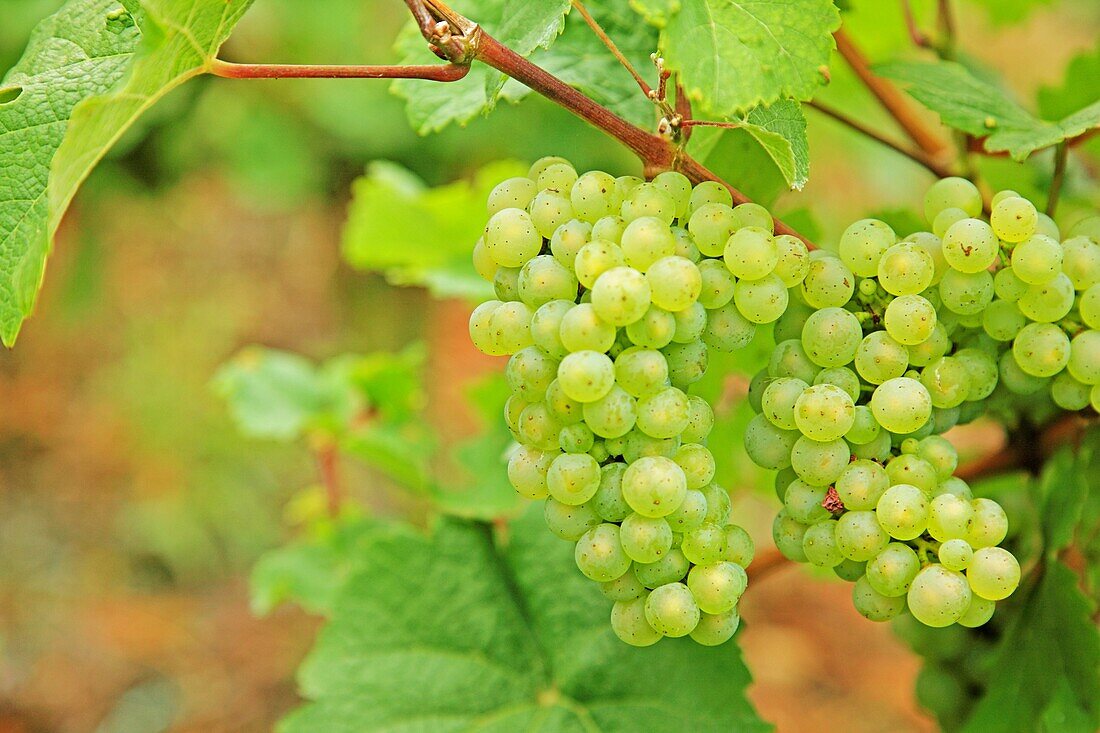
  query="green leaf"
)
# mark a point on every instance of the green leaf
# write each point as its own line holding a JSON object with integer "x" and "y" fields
{"x": 518, "y": 24}
{"x": 781, "y": 131}
{"x": 1061, "y": 493}
{"x": 984, "y": 110}
{"x": 737, "y": 54}
{"x": 736, "y": 156}
{"x": 656, "y": 12}
{"x": 1047, "y": 666}
{"x": 461, "y": 632}
{"x": 418, "y": 235}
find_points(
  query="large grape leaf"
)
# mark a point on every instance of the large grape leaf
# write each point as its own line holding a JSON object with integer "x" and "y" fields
{"x": 464, "y": 631}
{"x": 781, "y": 131}
{"x": 734, "y": 55}
{"x": 88, "y": 73}
{"x": 982, "y": 109}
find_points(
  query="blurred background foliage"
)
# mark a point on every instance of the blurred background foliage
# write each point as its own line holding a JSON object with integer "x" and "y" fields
{"x": 131, "y": 511}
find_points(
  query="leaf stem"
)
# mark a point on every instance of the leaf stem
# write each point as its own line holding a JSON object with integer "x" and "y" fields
{"x": 1061, "y": 155}
{"x": 916, "y": 155}
{"x": 606, "y": 39}
{"x": 889, "y": 97}
{"x": 916, "y": 35}
{"x": 432, "y": 72}
{"x": 328, "y": 460}
{"x": 946, "y": 19}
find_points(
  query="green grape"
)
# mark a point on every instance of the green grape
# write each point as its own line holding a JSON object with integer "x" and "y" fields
{"x": 818, "y": 463}
{"x": 1048, "y": 302}
{"x": 1087, "y": 227}
{"x": 628, "y": 621}
{"x": 955, "y": 554}
{"x": 573, "y": 478}
{"x": 613, "y": 415}
{"x": 646, "y": 240}
{"x": 849, "y": 570}
{"x": 715, "y": 629}
{"x": 945, "y": 219}
{"x": 608, "y": 500}
{"x": 674, "y": 282}
{"x": 933, "y": 245}
{"x": 755, "y": 393}
{"x": 641, "y": 371}
{"x": 1081, "y": 262}
{"x": 654, "y": 486}
{"x": 966, "y": 293}
{"x": 569, "y": 522}
{"x": 739, "y": 546}
{"x": 653, "y": 330}
{"x": 671, "y": 610}
{"x": 777, "y": 402}
{"x": 626, "y": 587}
{"x": 993, "y": 573}
{"x": 940, "y": 454}
{"x": 1041, "y": 349}
{"x": 831, "y": 338}
{"x": 863, "y": 243}
{"x": 663, "y": 414}
{"x": 901, "y": 405}
{"x": 513, "y": 409}
{"x": 645, "y": 200}
{"x": 819, "y": 545}
{"x": 828, "y": 283}
{"x": 527, "y": 467}
{"x": 562, "y": 407}
{"x": 903, "y": 511}
{"x": 952, "y": 192}
{"x": 804, "y": 502}
{"x": 1037, "y": 260}
{"x": 481, "y": 328}
{"x": 842, "y": 377}
{"x": 539, "y": 427}
{"x": 970, "y": 245}
{"x": 698, "y": 464}
{"x": 1002, "y": 195}
{"x": 763, "y": 300}
{"x": 1045, "y": 225}
{"x": 789, "y": 359}
{"x": 484, "y": 263}
{"x": 905, "y": 269}
{"x": 511, "y": 237}
{"x": 1014, "y": 219}
{"x": 557, "y": 177}
{"x": 669, "y": 569}
{"x": 645, "y": 539}
{"x": 704, "y": 544}
{"x": 946, "y": 418}
{"x": 511, "y": 193}
{"x": 596, "y": 258}
{"x": 859, "y": 536}
{"x": 1094, "y": 397}
{"x": 983, "y": 372}
{"x": 620, "y": 295}
{"x": 938, "y": 596}
{"x": 678, "y": 188}
{"x": 1015, "y": 379}
{"x": 891, "y": 572}
{"x": 790, "y": 324}
{"x": 989, "y": 524}
{"x": 599, "y": 553}
{"x": 529, "y": 372}
{"x": 690, "y": 514}
{"x": 686, "y": 363}
{"x": 711, "y": 225}
{"x": 926, "y": 352}
{"x": 582, "y": 330}
{"x": 567, "y": 240}
{"x": 542, "y": 164}
{"x": 880, "y": 358}
{"x": 1084, "y": 357}
{"x": 593, "y": 195}
{"x": 718, "y": 504}
{"x": 586, "y": 376}
{"x": 549, "y": 210}
{"x": 717, "y": 587}
{"x": 506, "y": 283}
{"x": 510, "y": 325}
{"x": 545, "y": 327}
{"x": 978, "y": 613}
{"x": 751, "y": 253}
{"x": 947, "y": 382}
{"x": 755, "y": 215}
{"x": 609, "y": 229}
{"x": 824, "y": 412}
{"x": 690, "y": 324}
{"x": 861, "y": 484}
{"x": 1068, "y": 393}
{"x": 1002, "y": 320}
{"x": 788, "y": 535}
{"x": 910, "y": 319}
{"x": 865, "y": 428}
{"x": 1007, "y": 285}
{"x": 624, "y": 185}
{"x": 794, "y": 260}
{"x": 716, "y": 284}
{"x": 1089, "y": 306}
{"x": 727, "y": 330}
{"x": 709, "y": 192}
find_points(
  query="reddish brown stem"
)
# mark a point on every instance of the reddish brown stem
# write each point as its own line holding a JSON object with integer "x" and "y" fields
{"x": 710, "y": 123}
{"x": 606, "y": 40}
{"x": 431, "y": 72}
{"x": 765, "y": 564}
{"x": 328, "y": 466}
{"x": 890, "y": 97}
{"x": 915, "y": 34}
{"x": 1028, "y": 454}
{"x": 1061, "y": 157}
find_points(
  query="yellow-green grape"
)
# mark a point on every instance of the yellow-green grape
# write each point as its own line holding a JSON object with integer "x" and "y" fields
{"x": 955, "y": 554}
{"x": 1068, "y": 393}
{"x": 691, "y": 513}
{"x": 674, "y": 283}
{"x": 891, "y": 572}
{"x": 718, "y": 586}
{"x": 861, "y": 485}
{"x": 952, "y": 192}
{"x": 901, "y": 405}
{"x": 863, "y": 243}
{"x": 881, "y": 358}
{"x": 905, "y": 269}
{"x": 1037, "y": 260}
{"x": 982, "y": 368}
{"x": 527, "y": 468}
{"x": 830, "y": 338}
{"x": 678, "y": 188}
{"x": 626, "y": 587}
{"x": 663, "y": 414}
{"x": 824, "y": 412}
{"x": 621, "y": 295}
{"x": 1002, "y": 320}
{"x": 569, "y": 522}
{"x": 933, "y": 245}
{"x": 1081, "y": 262}
{"x": 754, "y": 215}
{"x": 608, "y": 501}
{"x": 1014, "y": 219}
{"x": 751, "y": 253}
{"x": 949, "y": 517}
{"x": 654, "y": 486}
{"x": 715, "y": 629}
{"x": 828, "y": 283}
{"x": 549, "y": 210}
{"x": 945, "y": 219}
{"x": 910, "y": 319}
{"x": 593, "y": 195}
{"x": 1041, "y": 349}
{"x": 739, "y": 545}
{"x": 1049, "y": 302}
{"x": 586, "y": 376}
{"x": 600, "y": 555}
{"x": 711, "y": 225}
{"x": 716, "y": 284}
{"x": 558, "y": 177}
{"x": 646, "y": 240}
{"x": 873, "y": 605}
{"x": 1088, "y": 304}
{"x": 761, "y": 301}
{"x": 1084, "y": 357}
{"x": 654, "y": 329}
{"x": 993, "y": 573}
{"x": 978, "y": 613}
{"x": 788, "y": 535}
{"x": 669, "y": 569}
{"x": 842, "y": 377}
{"x": 641, "y": 371}
{"x": 936, "y": 345}
{"x": 698, "y": 464}
{"x": 902, "y": 511}
{"x": 865, "y": 428}
{"x": 966, "y": 293}
{"x": 573, "y": 478}
{"x": 794, "y": 260}
{"x": 913, "y": 470}
{"x": 859, "y": 536}
{"x": 596, "y": 258}
{"x": 568, "y": 239}
{"x": 671, "y": 610}
{"x": 805, "y": 503}
{"x": 645, "y": 199}
{"x": 481, "y": 331}
{"x": 613, "y": 415}
{"x": 777, "y": 402}
{"x": 705, "y": 544}
{"x": 645, "y": 539}
{"x": 947, "y": 381}
{"x": 989, "y": 525}
{"x": 511, "y": 193}
{"x": 690, "y": 324}
{"x": 938, "y": 597}
{"x": 564, "y": 408}
{"x": 628, "y": 621}
{"x": 819, "y": 545}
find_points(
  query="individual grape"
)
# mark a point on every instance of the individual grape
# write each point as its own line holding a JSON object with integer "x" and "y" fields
{"x": 861, "y": 485}
{"x": 1007, "y": 285}
{"x": 955, "y": 554}
{"x": 1041, "y": 349}
{"x": 527, "y": 467}
{"x": 641, "y": 371}
{"x": 1081, "y": 262}
{"x": 789, "y": 359}
{"x": 593, "y": 195}
{"x": 613, "y": 415}
{"x": 978, "y": 613}
{"x": 582, "y": 330}
{"x": 831, "y": 337}
{"x": 790, "y": 324}
{"x": 905, "y": 269}
{"x": 751, "y": 253}
{"x": 1087, "y": 227}
{"x": 824, "y": 412}
{"x": 739, "y": 546}
{"x": 596, "y": 258}
{"x": 628, "y": 621}
{"x": 865, "y": 428}
{"x": 911, "y": 469}
{"x": 709, "y": 192}
{"x": 716, "y": 284}
{"x": 778, "y": 400}
{"x": 646, "y": 240}
{"x": 788, "y": 536}
{"x": 989, "y": 524}
{"x": 1002, "y": 320}
{"x": 700, "y": 420}
{"x": 539, "y": 427}
{"x": 674, "y": 282}
{"x": 653, "y": 330}
{"x": 794, "y": 260}
{"x": 543, "y": 279}
{"x": 669, "y": 569}
{"x": 608, "y": 501}
{"x": 966, "y": 293}
{"x": 983, "y": 372}
{"x": 903, "y": 511}
{"x": 654, "y": 486}
{"x": 567, "y": 521}
{"x": 511, "y": 237}
{"x": 646, "y": 200}
{"x": 576, "y": 438}
{"x": 691, "y": 513}
{"x": 1014, "y": 219}
{"x": 663, "y": 414}
{"x": 510, "y": 327}
{"x": 910, "y": 319}
{"x": 901, "y": 405}
{"x": 678, "y": 188}
{"x": 1089, "y": 306}
{"x": 880, "y": 358}
{"x": 545, "y": 327}
{"x": 1048, "y": 302}
{"x": 993, "y": 573}
{"x": 947, "y": 382}
{"x": 761, "y": 301}
{"x": 549, "y": 210}
{"x": 1084, "y": 357}
{"x": 621, "y": 295}
{"x": 859, "y": 536}
{"x": 704, "y": 544}
{"x": 562, "y": 407}
{"x": 1015, "y": 379}
{"x": 697, "y": 463}
{"x": 626, "y": 587}
{"x": 586, "y": 376}
{"x": 511, "y": 193}
{"x": 938, "y": 597}
{"x": 945, "y": 219}
{"x": 542, "y": 164}
{"x": 1068, "y": 393}
{"x": 727, "y": 330}
{"x": 926, "y": 352}
{"x": 891, "y": 572}
{"x": 1037, "y": 260}
{"x": 484, "y": 263}
{"x": 557, "y": 177}
{"x": 828, "y": 283}
{"x": 481, "y": 328}
{"x": 940, "y": 454}
{"x": 686, "y": 363}
{"x": 718, "y": 586}
{"x": 645, "y": 539}
{"x": 506, "y": 283}
{"x": 842, "y": 377}
{"x": 599, "y": 553}
{"x": 1045, "y": 225}
{"x": 711, "y": 225}
{"x": 849, "y": 570}
{"x": 754, "y": 215}
{"x": 952, "y": 192}
{"x": 819, "y": 545}
{"x": 862, "y": 245}
{"x": 671, "y": 610}
{"x": 970, "y": 245}
{"x": 804, "y": 502}
{"x": 573, "y": 478}
{"x": 818, "y": 463}
{"x": 690, "y": 324}
{"x": 713, "y": 630}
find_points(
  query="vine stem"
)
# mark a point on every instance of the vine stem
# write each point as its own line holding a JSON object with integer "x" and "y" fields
{"x": 328, "y": 466}
{"x": 919, "y": 39}
{"x": 610, "y": 44}
{"x": 431, "y": 72}
{"x": 1061, "y": 155}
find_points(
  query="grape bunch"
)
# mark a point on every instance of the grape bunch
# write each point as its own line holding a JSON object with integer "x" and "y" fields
{"x": 610, "y": 291}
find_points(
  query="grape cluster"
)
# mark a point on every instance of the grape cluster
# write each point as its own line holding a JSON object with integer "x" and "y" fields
{"x": 610, "y": 291}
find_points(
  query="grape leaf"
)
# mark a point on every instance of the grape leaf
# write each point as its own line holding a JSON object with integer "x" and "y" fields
{"x": 418, "y": 235}
{"x": 1060, "y": 496}
{"x": 461, "y": 631}
{"x": 984, "y": 110}
{"x": 518, "y": 24}
{"x": 656, "y": 12}
{"x": 737, "y": 54}
{"x": 781, "y": 131}
{"x": 737, "y": 156}
{"x": 1046, "y": 666}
